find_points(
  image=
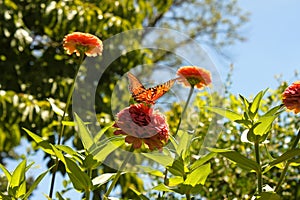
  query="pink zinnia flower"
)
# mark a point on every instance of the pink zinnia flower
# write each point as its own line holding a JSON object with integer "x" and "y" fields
{"x": 291, "y": 97}
{"x": 82, "y": 43}
{"x": 142, "y": 124}
{"x": 194, "y": 76}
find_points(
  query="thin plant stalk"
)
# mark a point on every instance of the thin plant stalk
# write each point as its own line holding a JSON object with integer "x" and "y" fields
{"x": 188, "y": 196}
{"x": 184, "y": 109}
{"x": 282, "y": 176}
{"x": 259, "y": 174}
{"x": 116, "y": 178}
{"x": 62, "y": 125}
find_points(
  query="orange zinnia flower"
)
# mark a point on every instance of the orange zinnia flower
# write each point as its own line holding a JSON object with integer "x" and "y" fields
{"x": 81, "y": 43}
{"x": 141, "y": 124}
{"x": 291, "y": 97}
{"x": 194, "y": 76}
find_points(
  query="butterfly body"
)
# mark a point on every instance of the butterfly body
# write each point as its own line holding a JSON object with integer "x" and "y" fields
{"x": 147, "y": 95}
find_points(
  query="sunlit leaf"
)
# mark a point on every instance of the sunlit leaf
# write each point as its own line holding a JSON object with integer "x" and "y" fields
{"x": 245, "y": 101}
{"x": 160, "y": 158}
{"x": 202, "y": 160}
{"x": 102, "y": 179}
{"x": 184, "y": 142}
{"x": 6, "y": 172}
{"x": 139, "y": 194}
{"x": 256, "y": 102}
{"x": 175, "y": 180}
{"x": 198, "y": 175}
{"x": 274, "y": 111}
{"x": 237, "y": 158}
{"x": 232, "y": 116}
{"x": 84, "y": 134}
{"x": 151, "y": 171}
{"x": 163, "y": 187}
{"x": 102, "y": 131}
{"x": 100, "y": 153}
{"x": 177, "y": 168}
{"x": 18, "y": 180}
{"x": 79, "y": 179}
{"x": 286, "y": 156}
{"x": 264, "y": 125}
{"x": 72, "y": 123}
{"x": 45, "y": 145}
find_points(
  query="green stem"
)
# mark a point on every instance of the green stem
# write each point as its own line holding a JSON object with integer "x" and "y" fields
{"x": 184, "y": 109}
{"x": 62, "y": 125}
{"x": 87, "y": 194}
{"x": 287, "y": 164}
{"x": 88, "y": 191}
{"x": 259, "y": 174}
{"x": 112, "y": 185}
{"x": 188, "y": 196}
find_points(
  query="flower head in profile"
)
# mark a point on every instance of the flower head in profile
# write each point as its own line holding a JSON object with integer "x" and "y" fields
{"x": 291, "y": 97}
{"x": 141, "y": 124}
{"x": 82, "y": 43}
{"x": 192, "y": 76}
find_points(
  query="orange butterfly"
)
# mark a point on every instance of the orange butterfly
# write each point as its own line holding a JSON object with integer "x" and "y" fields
{"x": 147, "y": 95}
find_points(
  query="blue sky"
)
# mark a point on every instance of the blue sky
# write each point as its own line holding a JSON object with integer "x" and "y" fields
{"x": 272, "y": 48}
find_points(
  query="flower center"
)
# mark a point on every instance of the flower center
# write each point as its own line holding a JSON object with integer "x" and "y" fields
{"x": 193, "y": 80}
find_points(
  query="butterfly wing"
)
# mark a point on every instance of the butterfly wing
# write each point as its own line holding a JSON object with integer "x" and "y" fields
{"x": 135, "y": 86}
{"x": 141, "y": 94}
{"x": 158, "y": 91}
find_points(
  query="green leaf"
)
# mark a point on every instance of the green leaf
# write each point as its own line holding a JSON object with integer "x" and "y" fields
{"x": 72, "y": 123}
{"x": 84, "y": 134}
{"x": 256, "y": 102}
{"x": 35, "y": 183}
{"x": 151, "y": 171}
{"x": 18, "y": 181}
{"x": 202, "y": 160}
{"x": 264, "y": 125}
{"x": 45, "y": 145}
{"x": 90, "y": 162}
{"x": 160, "y": 158}
{"x": 66, "y": 149}
{"x": 245, "y": 101}
{"x": 198, "y": 175}
{"x": 163, "y": 187}
{"x": 35, "y": 137}
{"x": 237, "y": 158}
{"x": 286, "y": 156}
{"x": 102, "y": 179}
{"x": 6, "y": 172}
{"x": 100, "y": 153}
{"x": 139, "y": 194}
{"x": 184, "y": 142}
{"x": 178, "y": 168}
{"x": 175, "y": 180}
{"x": 80, "y": 180}
{"x": 102, "y": 131}
{"x": 274, "y": 111}
{"x": 232, "y": 116}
